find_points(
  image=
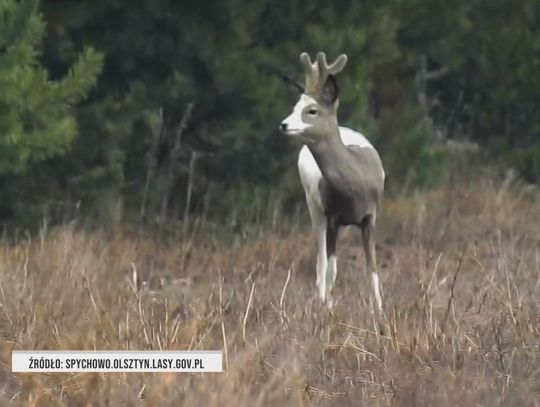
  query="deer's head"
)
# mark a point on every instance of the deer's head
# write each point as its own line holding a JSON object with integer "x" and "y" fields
{"x": 315, "y": 115}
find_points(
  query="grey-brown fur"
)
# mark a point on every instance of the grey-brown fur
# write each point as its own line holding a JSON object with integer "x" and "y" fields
{"x": 353, "y": 181}
{"x": 352, "y": 186}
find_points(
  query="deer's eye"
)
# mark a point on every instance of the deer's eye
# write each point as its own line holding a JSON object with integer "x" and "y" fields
{"x": 312, "y": 111}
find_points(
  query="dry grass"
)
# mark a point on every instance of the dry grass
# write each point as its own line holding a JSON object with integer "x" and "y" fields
{"x": 460, "y": 272}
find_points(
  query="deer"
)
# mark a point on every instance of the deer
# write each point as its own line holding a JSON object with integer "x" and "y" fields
{"x": 340, "y": 171}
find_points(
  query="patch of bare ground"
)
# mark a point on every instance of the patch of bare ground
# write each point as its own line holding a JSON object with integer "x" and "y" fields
{"x": 460, "y": 271}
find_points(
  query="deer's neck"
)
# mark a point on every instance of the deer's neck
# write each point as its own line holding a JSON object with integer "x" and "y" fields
{"x": 335, "y": 162}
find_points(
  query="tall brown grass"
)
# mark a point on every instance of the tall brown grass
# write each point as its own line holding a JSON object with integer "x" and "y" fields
{"x": 460, "y": 271}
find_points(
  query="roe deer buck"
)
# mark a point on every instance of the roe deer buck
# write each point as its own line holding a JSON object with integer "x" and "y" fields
{"x": 341, "y": 172}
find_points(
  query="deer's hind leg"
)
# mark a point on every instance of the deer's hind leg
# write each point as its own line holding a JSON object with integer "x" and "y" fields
{"x": 368, "y": 237}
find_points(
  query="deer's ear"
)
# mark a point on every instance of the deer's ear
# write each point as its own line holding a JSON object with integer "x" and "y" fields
{"x": 297, "y": 87}
{"x": 292, "y": 85}
{"x": 330, "y": 90}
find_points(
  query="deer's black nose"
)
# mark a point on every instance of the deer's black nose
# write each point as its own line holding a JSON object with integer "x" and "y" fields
{"x": 283, "y": 126}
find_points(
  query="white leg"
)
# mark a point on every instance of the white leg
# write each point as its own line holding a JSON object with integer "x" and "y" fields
{"x": 331, "y": 239}
{"x": 376, "y": 289}
{"x": 368, "y": 229}
{"x": 330, "y": 278}
{"x": 318, "y": 221}
{"x": 322, "y": 260}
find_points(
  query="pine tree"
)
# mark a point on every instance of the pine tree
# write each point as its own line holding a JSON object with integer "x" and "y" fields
{"x": 36, "y": 120}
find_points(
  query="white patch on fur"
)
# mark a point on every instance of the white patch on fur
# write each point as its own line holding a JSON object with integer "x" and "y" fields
{"x": 294, "y": 122}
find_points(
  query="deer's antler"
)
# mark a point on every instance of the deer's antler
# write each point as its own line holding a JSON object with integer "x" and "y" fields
{"x": 317, "y": 72}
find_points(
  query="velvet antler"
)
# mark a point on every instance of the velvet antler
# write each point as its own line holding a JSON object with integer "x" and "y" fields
{"x": 317, "y": 72}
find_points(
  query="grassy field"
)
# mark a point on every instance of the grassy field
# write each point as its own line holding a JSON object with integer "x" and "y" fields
{"x": 460, "y": 270}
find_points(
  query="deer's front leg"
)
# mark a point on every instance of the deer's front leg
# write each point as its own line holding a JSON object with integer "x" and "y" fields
{"x": 322, "y": 258}
{"x": 319, "y": 223}
{"x": 331, "y": 270}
